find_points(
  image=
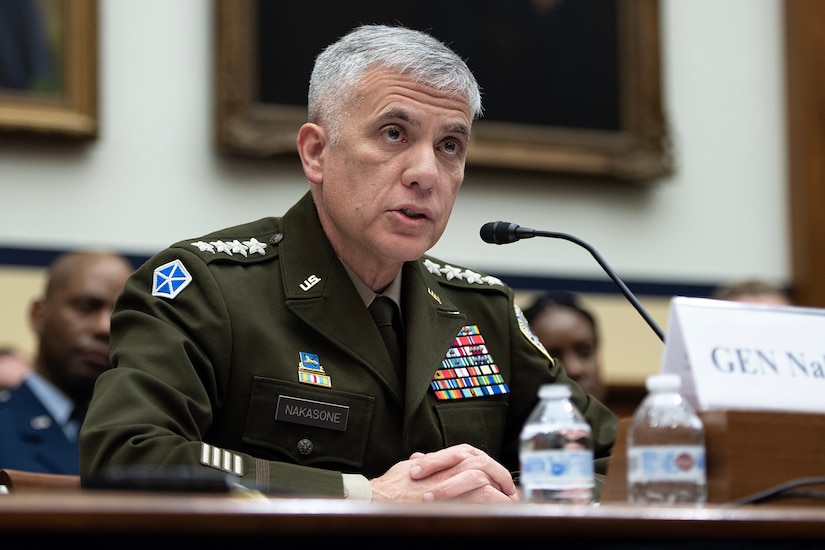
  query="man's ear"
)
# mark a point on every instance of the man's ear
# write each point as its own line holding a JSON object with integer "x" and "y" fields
{"x": 311, "y": 143}
{"x": 37, "y": 313}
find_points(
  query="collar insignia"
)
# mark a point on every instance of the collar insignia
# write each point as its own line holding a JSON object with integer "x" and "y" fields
{"x": 41, "y": 422}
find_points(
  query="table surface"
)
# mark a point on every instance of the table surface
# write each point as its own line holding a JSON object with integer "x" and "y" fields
{"x": 97, "y": 513}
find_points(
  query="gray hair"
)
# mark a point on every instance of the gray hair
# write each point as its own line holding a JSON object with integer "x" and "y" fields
{"x": 339, "y": 68}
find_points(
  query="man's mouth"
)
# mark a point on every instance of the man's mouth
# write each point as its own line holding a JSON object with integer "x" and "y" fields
{"x": 411, "y": 214}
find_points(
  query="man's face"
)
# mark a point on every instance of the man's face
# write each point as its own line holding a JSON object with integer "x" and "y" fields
{"x": 388, "y": 186}
{"x": 73, "y": 324}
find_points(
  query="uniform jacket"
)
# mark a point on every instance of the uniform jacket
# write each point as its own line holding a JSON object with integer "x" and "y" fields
{"x": 30, "y": 438}
{"x": 206, "y": 365}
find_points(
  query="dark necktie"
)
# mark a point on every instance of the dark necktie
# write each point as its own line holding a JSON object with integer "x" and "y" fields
{"x": 79, "y": 411}
{"x": 388, "y": 319}
{"x": 76, "y": 418}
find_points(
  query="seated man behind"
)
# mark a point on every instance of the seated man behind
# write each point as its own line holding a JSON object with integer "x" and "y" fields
{"x": 39, "y": 420}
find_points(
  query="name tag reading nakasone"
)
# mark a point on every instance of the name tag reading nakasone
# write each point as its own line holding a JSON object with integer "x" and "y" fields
{"x": 312, "y": 413}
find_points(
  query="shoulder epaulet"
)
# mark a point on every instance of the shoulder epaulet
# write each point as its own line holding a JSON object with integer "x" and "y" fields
{"x": 455, "y": 275}
{"x": 248, "y": 243}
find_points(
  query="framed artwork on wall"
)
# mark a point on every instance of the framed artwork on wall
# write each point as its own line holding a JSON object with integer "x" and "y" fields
{"x": 48, "y": 67}
{"x": 569, "y": 86}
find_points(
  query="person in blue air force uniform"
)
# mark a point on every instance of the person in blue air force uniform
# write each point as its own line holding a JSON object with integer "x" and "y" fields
{"x": 252, "y": 350}
{"x": 39, "y": 419}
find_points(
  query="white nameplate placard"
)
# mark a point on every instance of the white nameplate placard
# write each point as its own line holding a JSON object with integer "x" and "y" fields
{"x": 734, "y": 355}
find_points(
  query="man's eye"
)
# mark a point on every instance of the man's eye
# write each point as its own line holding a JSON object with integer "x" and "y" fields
{"x": 393, "y": 134}
{"x": 585, "y": 351}
{"x": 452, "y": 147}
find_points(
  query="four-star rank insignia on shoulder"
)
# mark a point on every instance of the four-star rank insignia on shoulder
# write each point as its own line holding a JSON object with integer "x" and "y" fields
{"x": 468, "y": 369}
{"x": 310, "y": 370}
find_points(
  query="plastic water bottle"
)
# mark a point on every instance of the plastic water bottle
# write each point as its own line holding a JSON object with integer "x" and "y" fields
{"x": 666, "y": 447}
{"x": 556, "y": 452}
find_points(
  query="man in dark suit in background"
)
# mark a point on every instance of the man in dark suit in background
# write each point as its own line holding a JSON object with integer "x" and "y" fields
{"x": 39, "y": 419}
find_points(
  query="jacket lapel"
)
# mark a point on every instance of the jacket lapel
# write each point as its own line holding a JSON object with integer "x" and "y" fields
{"x": 432, "y": 323}
{"x": 319, "y": 291}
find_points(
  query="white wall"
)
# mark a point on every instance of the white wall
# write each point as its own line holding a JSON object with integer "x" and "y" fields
{"x": 153, "y": 176}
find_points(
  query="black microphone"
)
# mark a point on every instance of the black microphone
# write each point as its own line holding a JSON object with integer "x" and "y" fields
{"x": 504, "y": 233}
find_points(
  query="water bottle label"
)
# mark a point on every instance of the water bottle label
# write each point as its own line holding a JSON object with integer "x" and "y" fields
{"x": 674, "y": 463}
{"x": 556, "y": 469}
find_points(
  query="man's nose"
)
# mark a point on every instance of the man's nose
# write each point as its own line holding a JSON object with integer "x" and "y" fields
{"x": 103, "y": 321}
{"x": 572, "y": 365}
{"x": 423, "y": 169}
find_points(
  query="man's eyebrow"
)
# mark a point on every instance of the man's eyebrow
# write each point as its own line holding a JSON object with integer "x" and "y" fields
{"x": 399, "y": 114}
{"x": 459, "y": 129}
{"x": 402, "y": 114}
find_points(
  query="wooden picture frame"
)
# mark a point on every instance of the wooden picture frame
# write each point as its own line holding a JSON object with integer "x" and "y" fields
{"x": 804, "y": 52}
{"x": 70, "y": 109}
{"x": 636, "y": 148}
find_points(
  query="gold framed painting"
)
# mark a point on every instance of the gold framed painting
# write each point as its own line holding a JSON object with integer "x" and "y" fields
{"x": 48, "y": 67}
{"x": 570, "y": 86}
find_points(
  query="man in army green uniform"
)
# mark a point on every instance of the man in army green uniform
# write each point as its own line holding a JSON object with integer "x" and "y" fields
{"x": 252, "y": 350}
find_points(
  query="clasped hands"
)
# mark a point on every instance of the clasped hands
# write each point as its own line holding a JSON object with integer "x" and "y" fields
{"x": 461, "y": 472}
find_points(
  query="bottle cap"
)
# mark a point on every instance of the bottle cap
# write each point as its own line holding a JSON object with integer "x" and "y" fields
{"x": 554, "y": 391}
{"x": 663, "y": 382}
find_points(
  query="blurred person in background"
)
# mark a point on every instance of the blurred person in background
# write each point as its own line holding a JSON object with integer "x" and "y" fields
{"x": 570, "y": 333}
{"x": 40, "y": 419}
{"x": 753, "y": 291}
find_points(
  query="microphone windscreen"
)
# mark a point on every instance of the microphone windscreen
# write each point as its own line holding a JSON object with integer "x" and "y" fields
{"x": 488, "y": 232}
{"x": 500, "y": 232}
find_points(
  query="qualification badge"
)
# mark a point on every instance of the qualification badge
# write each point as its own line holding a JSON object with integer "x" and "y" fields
{"x": 310, "y": 370}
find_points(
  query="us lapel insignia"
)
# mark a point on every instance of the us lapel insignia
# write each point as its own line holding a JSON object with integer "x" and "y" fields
{"x": 310, "y": 370}
{"x": 468, "y": 369}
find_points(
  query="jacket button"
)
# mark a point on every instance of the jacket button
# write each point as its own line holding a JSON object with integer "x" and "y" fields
{"x": 304, "y": 447}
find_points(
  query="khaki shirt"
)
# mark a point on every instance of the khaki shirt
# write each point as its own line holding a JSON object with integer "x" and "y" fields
{"x": 208, "y": 337}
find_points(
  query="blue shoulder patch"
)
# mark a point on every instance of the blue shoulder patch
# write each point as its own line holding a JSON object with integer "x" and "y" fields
{"x": 170, "y": 279}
